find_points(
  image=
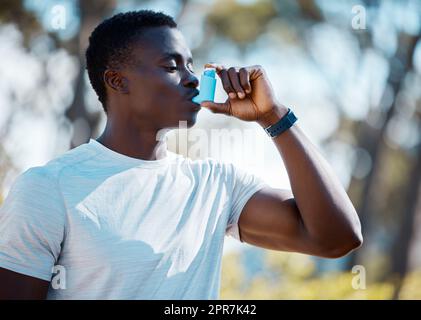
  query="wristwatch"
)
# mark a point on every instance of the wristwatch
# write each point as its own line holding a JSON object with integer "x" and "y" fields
{"x": 282, "y": 125}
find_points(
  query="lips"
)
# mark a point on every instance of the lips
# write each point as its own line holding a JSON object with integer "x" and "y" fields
{"x": 193, "y": 94}
{"x": 196, "y": 107}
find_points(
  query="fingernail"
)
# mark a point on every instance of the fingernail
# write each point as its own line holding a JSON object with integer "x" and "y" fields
{"x": 232, "y": 95}
{"x": 241, "y": 95}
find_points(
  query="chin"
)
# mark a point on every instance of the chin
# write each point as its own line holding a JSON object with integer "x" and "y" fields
{"x": 189, "y": 120}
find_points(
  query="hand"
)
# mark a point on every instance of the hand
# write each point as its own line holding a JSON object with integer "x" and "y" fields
{"x": 251, "y": 97}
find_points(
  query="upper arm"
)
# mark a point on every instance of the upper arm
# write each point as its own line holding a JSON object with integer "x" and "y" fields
{"x": 16, "y": 286}
{"x": 32, "y": 220}
{"x": 271, "y": 219}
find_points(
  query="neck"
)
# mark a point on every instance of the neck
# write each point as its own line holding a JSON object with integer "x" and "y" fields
{"x": 138, "y": 142}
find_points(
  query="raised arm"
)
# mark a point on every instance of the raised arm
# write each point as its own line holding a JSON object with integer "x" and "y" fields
{"x": 317, "y": 217}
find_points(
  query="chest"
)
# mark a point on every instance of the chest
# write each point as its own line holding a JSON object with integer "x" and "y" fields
{"x": 145, "y": 221}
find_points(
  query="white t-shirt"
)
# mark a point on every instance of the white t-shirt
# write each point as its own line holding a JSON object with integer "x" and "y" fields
{"x": 117, "y": 227}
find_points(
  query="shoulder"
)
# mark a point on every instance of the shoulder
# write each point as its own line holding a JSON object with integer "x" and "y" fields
{"x": 40, "y": 177}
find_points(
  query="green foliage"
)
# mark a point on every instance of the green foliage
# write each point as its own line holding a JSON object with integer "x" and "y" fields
{"x": 293, "y": 276}
{"x": 13, "y": 11}
{"x": 239, "y": 22}
{"x": 411, "y": 287}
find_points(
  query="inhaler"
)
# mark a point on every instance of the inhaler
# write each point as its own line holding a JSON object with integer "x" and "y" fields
{"x": 207, "y": 87}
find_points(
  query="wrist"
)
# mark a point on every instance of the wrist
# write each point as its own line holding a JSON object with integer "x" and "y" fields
{"x": 273, "y": 116}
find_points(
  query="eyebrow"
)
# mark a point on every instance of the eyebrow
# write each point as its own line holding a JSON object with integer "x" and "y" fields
{"x": 175, "y": 56}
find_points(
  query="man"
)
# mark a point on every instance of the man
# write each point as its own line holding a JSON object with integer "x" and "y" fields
{"x": 125, "y": 219}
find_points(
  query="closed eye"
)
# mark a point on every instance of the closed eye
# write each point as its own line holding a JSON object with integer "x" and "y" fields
{"x": 175, "y": 68}
{"x": 171, "y": 68}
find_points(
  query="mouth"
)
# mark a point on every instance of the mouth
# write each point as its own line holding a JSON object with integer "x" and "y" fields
{"x": 192, "y": 95}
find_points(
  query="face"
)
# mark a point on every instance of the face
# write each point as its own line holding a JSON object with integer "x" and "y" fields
{"x": 160, "y": 84}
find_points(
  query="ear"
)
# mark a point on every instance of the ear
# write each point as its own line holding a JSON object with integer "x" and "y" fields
{"x": 116, "y": 81}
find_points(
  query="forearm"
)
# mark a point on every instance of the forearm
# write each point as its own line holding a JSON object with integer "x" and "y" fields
{"x": 325, "y": 209}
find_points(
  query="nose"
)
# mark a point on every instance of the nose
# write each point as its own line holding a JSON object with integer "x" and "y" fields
{"x": 190, "y": 80}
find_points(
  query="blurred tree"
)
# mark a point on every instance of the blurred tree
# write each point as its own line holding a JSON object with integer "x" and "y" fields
{"x": 372, "y": 138}
{"x": 227, "y": 18}
{"x": 91, "y": 14}
{"x": 13, "y": 11}
{"x": 402, "y": 244}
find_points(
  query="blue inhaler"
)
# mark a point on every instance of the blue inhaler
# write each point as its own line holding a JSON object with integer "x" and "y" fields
{"x": 207, "y": 87}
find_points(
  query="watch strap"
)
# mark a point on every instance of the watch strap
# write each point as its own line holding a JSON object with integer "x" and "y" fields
{"x": 282, "y": 125}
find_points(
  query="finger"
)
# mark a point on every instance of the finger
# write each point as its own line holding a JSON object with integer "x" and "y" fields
{"x": 226, "y": 84}
{"x": 224, "y": 108}
{"x": 218, "y": 67}
{"x": 235, "y": 82}
{"x": 255, "y": 72}
{"x": 223, "y": 75}
{"x": 245, "y": 80}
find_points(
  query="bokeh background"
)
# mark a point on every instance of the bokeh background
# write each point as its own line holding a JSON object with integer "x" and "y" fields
{"x": 350, "y": 69}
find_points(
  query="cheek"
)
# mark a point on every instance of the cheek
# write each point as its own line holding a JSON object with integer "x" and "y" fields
{"x": 167, "y": 88}
{"x": 158, "y": 90}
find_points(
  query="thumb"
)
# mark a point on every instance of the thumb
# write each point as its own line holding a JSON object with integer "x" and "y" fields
{"x": 224, "y": 107}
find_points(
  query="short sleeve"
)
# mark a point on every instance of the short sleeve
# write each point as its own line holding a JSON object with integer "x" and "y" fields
{"x": 243, "y": 186}
{"x": 32, "y": 221}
